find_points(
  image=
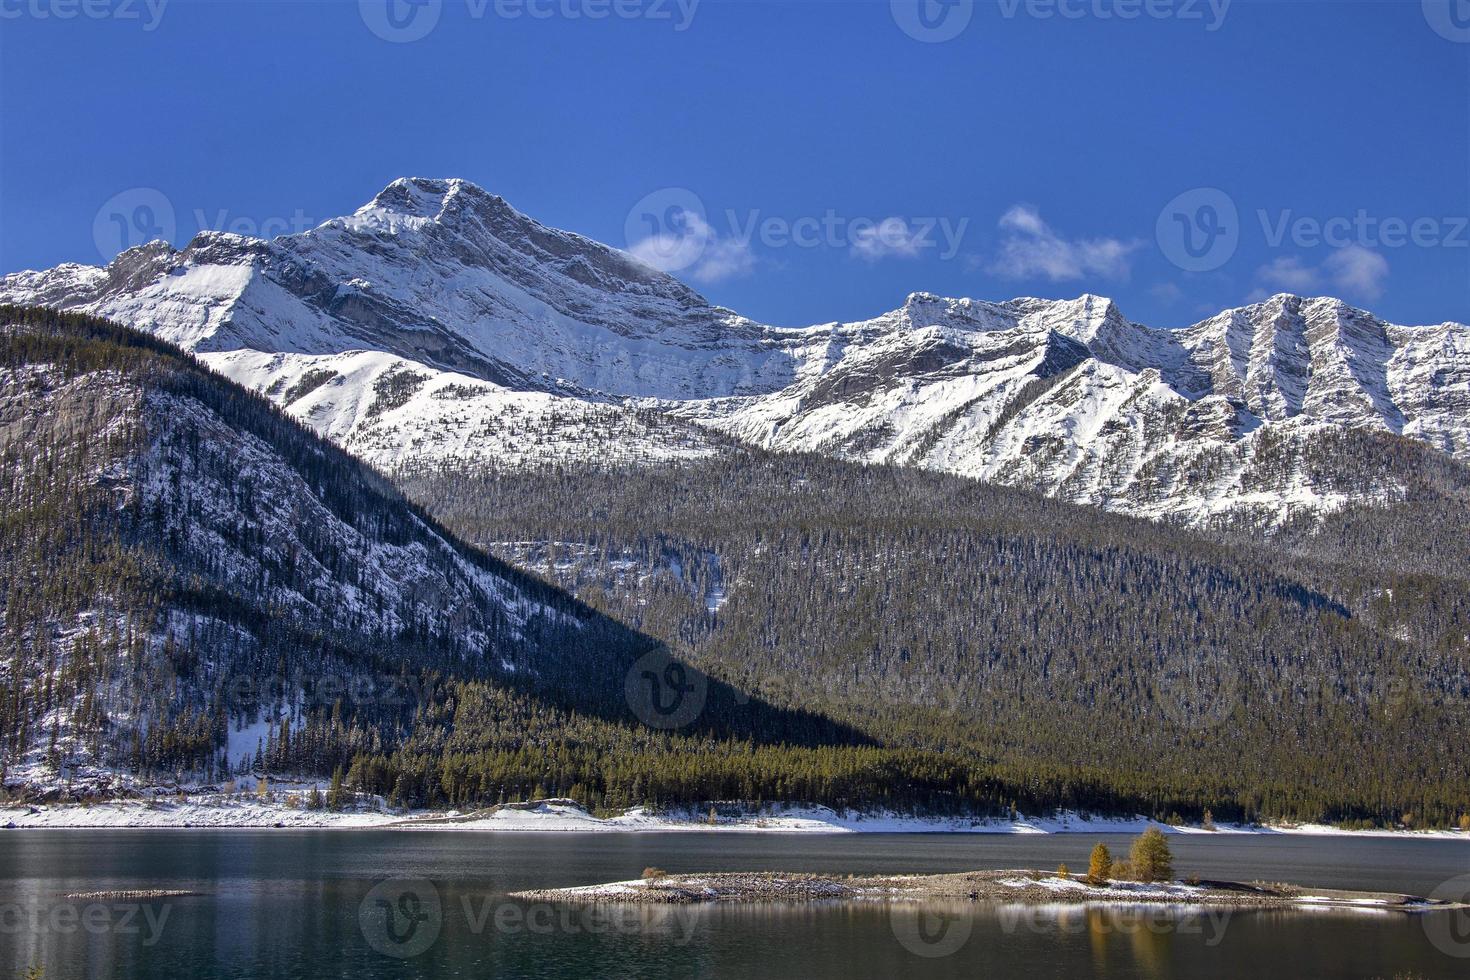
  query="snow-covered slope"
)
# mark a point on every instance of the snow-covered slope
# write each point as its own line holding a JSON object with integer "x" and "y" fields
{"x": 394, "y": 412}
{"x": 439, "y": 323}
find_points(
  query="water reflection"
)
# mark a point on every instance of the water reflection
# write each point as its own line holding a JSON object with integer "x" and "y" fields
{"x": 358, "y": 905}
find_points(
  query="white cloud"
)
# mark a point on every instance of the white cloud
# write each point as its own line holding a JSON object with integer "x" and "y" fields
{"x": 1025, "y": 219}
{"x": 725, "y": 258}
{"x": 691, "y": 247}
{"x": 1166, "y": 292}
{"x": 1357, "y": 270}
{"x": 1288, "y": 272}
{"x": 889, "y": 237}
{"x": 1032, "y": 249}
{"x": 1352, "y": 270}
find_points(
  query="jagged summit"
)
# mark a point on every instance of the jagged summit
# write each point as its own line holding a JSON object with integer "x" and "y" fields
{"x": 425, "y": 197}
{"x": 434, "y": 199}
{"x": 486, "y": 223}
{"x": 418, "y": 203}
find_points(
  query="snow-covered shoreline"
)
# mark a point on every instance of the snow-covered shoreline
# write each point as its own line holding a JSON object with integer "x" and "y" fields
{"x": 559, "y": 816}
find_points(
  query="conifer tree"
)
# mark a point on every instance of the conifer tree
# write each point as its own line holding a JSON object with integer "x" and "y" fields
{"x": 334, "y": 792}
{"x": 1100, "y": 866}
{"x": 1150, "y": 858}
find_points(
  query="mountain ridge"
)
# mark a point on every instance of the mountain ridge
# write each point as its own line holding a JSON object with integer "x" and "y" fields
{"x": 1066, "y": 397}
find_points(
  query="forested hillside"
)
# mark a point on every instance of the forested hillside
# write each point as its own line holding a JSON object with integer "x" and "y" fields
{"x": 1053, "y": 646}
{"x": 181, "y": 560}
{"x": 194, "y": 585}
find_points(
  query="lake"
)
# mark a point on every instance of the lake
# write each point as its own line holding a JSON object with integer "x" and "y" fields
{"x": 369, "y": 904}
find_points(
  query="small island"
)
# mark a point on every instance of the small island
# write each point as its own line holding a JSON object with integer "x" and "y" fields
{"x": 1027, "y": 887}
{"x": 1146, "y": 878}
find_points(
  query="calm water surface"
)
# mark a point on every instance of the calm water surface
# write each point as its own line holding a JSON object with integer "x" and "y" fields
{"x": 371, "y": 904}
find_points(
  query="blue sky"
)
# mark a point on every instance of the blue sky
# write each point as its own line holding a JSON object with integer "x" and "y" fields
{"x": 797, "y": 161}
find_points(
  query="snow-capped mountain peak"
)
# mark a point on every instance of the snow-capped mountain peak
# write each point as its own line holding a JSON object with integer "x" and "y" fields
{"x": 473, "y": 313}
{"x": 421, "y": 197}
{"x": 487, "y": 232}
